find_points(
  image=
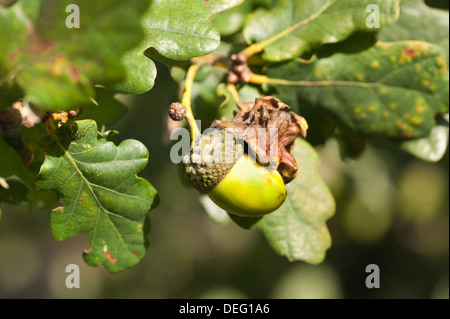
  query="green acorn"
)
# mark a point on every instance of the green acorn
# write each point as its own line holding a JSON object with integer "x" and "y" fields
{"x": 219, "y": 167}
{"x": 230, "y": 167}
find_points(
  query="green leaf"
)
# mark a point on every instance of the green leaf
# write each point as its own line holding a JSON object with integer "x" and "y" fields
{"x": 231, "y": 21}
{"x": 308, "y": 24}
{"x": 101, "y": 195}
{"x": 57, "y": 66}
{"x": 394, "y": 89}
{"x": 414, "y": 23}
{"x": 432, "y": 147}
{"x": 298, "y": 228}
{"x": 228, "y": 105}
{"x": 178, "y": 30}
{"x": 141, "y": 72}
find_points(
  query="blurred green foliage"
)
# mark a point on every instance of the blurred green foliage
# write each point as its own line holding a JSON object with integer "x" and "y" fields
{"x": 392, "y": 210}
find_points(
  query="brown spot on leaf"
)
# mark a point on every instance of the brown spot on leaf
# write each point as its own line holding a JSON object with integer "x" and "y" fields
{"x": 416, "y": 120}
{"x": 375, "y": 64}
{"x": 135, "y": 255}
{"x": 409, "y": 52}
{"x": 406, "y": 135}
{"x": 60, "y": 64}
{"x": 47, "y": 46}
{"x": 12, "y": 57}
{"x": 382, "y": 44}
{"x": 110, "y": 258}
{"x": 401, "y": 125}
{"x": 74, "y": 74}
{"x": 440, "y": 62}
{"x": 419, "y": 109}
{"x": 59, "y": 209}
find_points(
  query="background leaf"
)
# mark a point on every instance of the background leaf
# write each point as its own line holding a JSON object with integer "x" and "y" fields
{"x": 414, "y": 23}
{"x": 348, "y": 16}
{"x": 56, "y": 66}
{"x": 432, "y": 147}
{"x": 231, "y": 21}
{"x": 298, "y": 229}
{"x": 394, "y": 89}
{"x": 101, "y": 195}
{"x": 228, "y": 105}
{"x": 140, "y": 72}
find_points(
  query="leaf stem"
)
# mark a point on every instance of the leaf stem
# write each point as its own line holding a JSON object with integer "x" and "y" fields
{"x": 262, "y": 79}
{"x": 234, "y": 92}
{"x": 258, "y": 47}
{"x": 186, "y": 101}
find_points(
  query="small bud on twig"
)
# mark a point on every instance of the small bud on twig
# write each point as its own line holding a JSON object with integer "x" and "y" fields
{"x": 177, "y": 111}
{"x": 239, "y": 70}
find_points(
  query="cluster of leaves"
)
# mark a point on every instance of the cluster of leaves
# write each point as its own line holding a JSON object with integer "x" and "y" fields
{"x": 350, "y": 82}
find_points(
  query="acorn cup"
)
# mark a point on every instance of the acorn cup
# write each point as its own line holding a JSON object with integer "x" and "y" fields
{"x": 244, "y": 164}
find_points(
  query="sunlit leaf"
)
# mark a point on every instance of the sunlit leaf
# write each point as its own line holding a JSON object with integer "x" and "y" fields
{"x": 298, "y": 228}
{"x": 178, "y": 30}
{"x": 307, "y": 24}
{"x": 393, "y": 89}
{"x": 101, "y": 195}
{"x": 414, "y": 23}
{"x": 432, "y": 147}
